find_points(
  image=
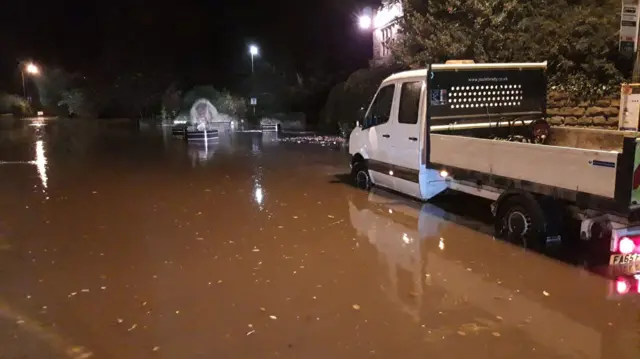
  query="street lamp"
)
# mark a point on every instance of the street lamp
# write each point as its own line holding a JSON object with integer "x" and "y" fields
{"x": 253, "y": 50}
{"x": 365, "y": 22}
{"x": 30, "y": 69}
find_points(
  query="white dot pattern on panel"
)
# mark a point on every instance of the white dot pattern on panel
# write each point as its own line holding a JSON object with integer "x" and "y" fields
{"x": 486, "y": 96}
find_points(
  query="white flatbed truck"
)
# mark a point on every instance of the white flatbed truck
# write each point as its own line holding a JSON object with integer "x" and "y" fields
{"x": 480, "y": 129}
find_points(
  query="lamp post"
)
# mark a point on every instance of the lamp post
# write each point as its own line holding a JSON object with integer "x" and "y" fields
{"x": 30, "y": 69}
{"x": 253, "y": 51}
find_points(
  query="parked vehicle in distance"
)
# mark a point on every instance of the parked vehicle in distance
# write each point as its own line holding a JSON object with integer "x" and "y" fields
{"x": 480, "y": 129}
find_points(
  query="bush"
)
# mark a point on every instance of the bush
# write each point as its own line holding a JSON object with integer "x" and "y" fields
{"x": 578, "y": 38}
{"x": 79, "y": 104}
{"x": 348, "y": 100}
{"x": 15, "y": 105}
{"x": 224, "y": 101}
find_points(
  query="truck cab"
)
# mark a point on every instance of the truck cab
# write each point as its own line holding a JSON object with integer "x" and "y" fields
{"x": 386, "y": 144}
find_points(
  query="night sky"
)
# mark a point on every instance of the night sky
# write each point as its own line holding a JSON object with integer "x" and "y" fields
{"x": 198, "y": 41}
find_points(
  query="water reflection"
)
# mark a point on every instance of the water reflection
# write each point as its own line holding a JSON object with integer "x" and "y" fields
{"x": 41, "y": 164}
{"x": 486, "y": 283}
{"x": 258, "y": 195}
{"x": 255, "y": 146}
{"x": 202, "y": 152}
{"x": 258, "y": 189}
{"x": 40, "y": 161}
{"x": 269, "y": 138}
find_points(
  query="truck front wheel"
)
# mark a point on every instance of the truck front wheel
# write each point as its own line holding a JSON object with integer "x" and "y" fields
{"x": 520, "y": 219}
{"x": 360, "y": 176}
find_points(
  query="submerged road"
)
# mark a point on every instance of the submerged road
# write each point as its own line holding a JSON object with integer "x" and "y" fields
{"x": 122, "y": 244}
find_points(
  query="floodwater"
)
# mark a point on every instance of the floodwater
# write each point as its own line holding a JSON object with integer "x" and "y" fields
{"x": 123, "y": 244}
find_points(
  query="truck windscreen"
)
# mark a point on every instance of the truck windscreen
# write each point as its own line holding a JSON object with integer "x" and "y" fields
{"x": 482, "y": 92}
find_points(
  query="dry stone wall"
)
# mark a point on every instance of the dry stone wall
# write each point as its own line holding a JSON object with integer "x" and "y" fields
{"x": 563, "y": 111}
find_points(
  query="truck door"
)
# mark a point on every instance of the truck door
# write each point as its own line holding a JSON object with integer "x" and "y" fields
{"x": 377, "y": 126}
{"x": 405, "y": 154}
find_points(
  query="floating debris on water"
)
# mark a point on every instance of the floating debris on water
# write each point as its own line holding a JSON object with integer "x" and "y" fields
{"x": 316, "y": 140}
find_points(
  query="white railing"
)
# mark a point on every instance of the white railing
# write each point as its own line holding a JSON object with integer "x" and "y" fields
{"x": 270, "y": 127}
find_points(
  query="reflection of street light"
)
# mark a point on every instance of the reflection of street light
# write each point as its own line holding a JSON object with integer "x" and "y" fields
{"x": 31, "y": 69}
{"x": 253, "y": 50}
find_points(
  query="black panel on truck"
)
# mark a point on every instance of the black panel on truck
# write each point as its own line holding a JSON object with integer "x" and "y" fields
{"x": 486, "y": 92}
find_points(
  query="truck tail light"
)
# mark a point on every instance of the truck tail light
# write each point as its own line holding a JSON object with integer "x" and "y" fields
{"x": 626, "y": 245}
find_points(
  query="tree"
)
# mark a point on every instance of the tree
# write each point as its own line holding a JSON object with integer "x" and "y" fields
{"x": 171, "y": 101}
{"x": 77, "y": 103}
{"x": 207, "y": 92}
{"x": 578, "y": 38}
{"x": 231, "y": 105}
{"x": 51, "y": 86}
{"x": 14, "y": 104}
{"x": 347, "y": 100}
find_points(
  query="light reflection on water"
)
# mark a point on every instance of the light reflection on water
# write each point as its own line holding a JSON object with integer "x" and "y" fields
{"x": 258, "y": 195}
{"x": 41, "y": 164}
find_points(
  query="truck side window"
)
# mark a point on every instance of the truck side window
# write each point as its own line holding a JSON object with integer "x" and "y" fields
{"x": 380, "y": 110}
{"x": 409, "y": 102}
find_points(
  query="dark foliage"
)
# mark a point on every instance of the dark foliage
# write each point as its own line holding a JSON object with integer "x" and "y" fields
{"x": 578, "y": 38}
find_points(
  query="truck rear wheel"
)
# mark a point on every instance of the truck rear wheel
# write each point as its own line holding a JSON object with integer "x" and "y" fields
{"x": 520, "y": 219}
{"x": 360, "y": 176}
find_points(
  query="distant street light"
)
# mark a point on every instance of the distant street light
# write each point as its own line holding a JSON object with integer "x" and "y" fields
{"x": 253, "y": 50}
{"x": 30, "y": 69}
{"x": 365, "y": 22}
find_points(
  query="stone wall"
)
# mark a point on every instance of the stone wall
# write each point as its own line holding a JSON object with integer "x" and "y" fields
{"x": 563, "y": 111}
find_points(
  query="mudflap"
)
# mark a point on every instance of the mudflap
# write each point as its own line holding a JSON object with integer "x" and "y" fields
{"x": 554, "y": 218}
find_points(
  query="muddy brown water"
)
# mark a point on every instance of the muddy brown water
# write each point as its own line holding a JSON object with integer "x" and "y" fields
{"x": 117, "y": 243}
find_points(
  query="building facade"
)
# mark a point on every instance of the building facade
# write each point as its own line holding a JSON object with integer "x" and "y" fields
{"x": 385, "y": 31}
